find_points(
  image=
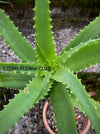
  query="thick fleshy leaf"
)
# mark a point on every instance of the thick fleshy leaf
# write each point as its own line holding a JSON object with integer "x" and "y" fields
{"x": 46, "y": 86}
{"x": 44, "y": 41}
{"x": 19, "y": 105}
{"x": 15, "y": 40}
{"x": 68, "y": 78}
{"x": 63, "y": 109}
{"x": 14, "y": 80}
{"x": 32, "y": 93}
{"x": 20, "y": 67}
{"x": 89, "y": 32}
{"x": 77, "y": 104}
{"x": 81, "y": 56}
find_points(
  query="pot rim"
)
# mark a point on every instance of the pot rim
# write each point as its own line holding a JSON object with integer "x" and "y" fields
{"x": 83, "y": 131}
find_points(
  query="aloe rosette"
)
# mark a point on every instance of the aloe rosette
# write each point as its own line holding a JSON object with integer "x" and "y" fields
{"x": 60, "y": 82}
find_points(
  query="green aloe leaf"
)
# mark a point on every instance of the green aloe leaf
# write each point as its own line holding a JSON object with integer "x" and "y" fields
{"x": 44, "y": 41}
{"x": 14, "y": 80}
{"x": 22, "y": 102}
{"x": 63, "y": 109}
{"x": 77, "y": 104}
{"x": 46, "y": 86}
{"x": 81, "y": 56}
{"x": 15, "y": 40}
{"x": 28, "y": 68}
{"x": 89, "y": 32}
{"x": 68, "y": 78}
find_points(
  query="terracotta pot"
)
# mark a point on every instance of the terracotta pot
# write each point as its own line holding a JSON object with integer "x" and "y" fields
{"x": 45, "y": 118}
{"x": 86, "y": 125}
{"x": 84, "y": 130}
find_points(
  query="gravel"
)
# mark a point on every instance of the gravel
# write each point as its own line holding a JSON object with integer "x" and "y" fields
{"x": 31, "y": 123}
{"x": 64, "y": 31}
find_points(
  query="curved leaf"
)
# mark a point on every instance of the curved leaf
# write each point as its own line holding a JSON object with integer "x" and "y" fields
{"x": 22, "y": 102}
{"x": 46, "y": 86}
{"x": 63, "y": 109}
{"x": 81, "y": 56}
{"x": 65, "y": 76}
{"x": 14, "y": 80}
{"x": 29, "y": 68}
{"x": 77, "y": 104}
{"x": 32, "y": 93}
{"x": 15, "y": 40}
{"x": 44, "y": 41}
{"x": 89, "y": 32}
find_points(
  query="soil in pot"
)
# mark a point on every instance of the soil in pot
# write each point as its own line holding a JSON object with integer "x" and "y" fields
{"x": 79, "y": 116}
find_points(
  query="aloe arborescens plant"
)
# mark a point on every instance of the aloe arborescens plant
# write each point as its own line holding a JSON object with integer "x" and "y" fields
{"x": 43, "y": 73}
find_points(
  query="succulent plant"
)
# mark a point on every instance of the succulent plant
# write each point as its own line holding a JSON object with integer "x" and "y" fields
{"x": 44, "y": 74}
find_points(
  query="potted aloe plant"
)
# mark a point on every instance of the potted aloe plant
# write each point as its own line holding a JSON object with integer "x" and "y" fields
{"x": 43, "y": 73}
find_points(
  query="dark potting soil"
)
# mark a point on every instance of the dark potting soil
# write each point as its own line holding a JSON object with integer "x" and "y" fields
{"x": 5, "y": 95}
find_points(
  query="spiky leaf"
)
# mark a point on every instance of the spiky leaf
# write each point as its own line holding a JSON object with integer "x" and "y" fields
{"x": 89, "y": 32}
{"x": 67, "y": 77}
{"x": 77, "y": 104}
{"x": 46, "y": 87}
{"x": 63, "y": 109}
{"x": 15, "y": 40}
{"x": 14, "y": 80}
{"x": 22, "y": 102}
{"x": 43, "y": 35}
{"x": 20, "y": 67}
{"x": 81, "y": 56}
